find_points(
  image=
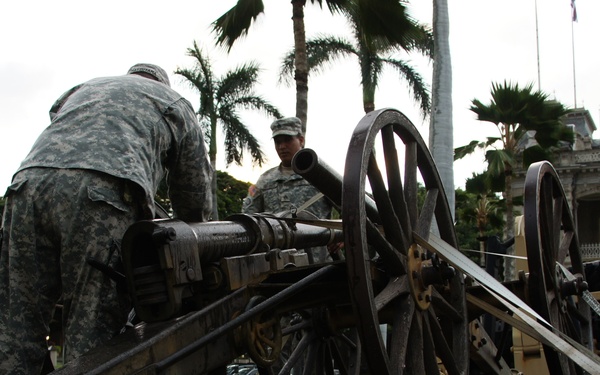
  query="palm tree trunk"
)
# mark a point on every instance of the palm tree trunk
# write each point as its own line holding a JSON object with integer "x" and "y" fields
{"x": 212, "y": 155}
{"x": 301, "y": 61}
{"x": 441, "y": 141}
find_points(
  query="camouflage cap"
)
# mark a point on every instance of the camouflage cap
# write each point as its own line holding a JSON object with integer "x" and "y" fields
{"x": 154, "y": 70}
{"x": 287, "y": 126}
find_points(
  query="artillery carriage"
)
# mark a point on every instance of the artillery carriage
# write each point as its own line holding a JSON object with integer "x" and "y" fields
{"x": 401, "y": 299}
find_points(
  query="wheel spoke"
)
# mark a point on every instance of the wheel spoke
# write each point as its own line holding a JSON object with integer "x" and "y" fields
{"x": 565, "y": 246}
{"x": 416, "y": 350}
{"x": 311, "y": 359}
{"x": 401, "y": 327}
{"x": 336, "y": 355}
{"x": 410, "y": 182}
{"x": 393, "y": 261}
{"x": 440, "y": 304}
{"x": 441, "y": 345}
{"x": 298, "y": 351}
{"x": 394, "y": 288}
{"x": 557, "y": 214}
{"x": 429, "y": 352}
{"x": 426, "y": 218}
{"x": 391, "y": 225}
{"x": 394, "y": 177}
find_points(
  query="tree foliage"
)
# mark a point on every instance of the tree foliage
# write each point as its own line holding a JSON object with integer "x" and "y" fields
{"x": 378, "y": 20}
{"x": 220, "y": 100}
{"x": 231, "y": 192}
{"x": 235, "y": 23}
{"x": 373, "y": 53}
{"x": 517, "y": 113}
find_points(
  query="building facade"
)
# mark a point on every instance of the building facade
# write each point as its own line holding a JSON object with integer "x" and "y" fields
{"x": 578, "y": 166}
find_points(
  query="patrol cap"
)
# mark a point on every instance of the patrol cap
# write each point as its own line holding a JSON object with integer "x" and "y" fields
{"x": 154, "y": 70}
{"x": 287, "y": 126}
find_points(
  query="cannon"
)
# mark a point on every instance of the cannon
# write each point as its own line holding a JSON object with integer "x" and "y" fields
{"x": 404, "y": 300}
{"x": 165, "y": 259}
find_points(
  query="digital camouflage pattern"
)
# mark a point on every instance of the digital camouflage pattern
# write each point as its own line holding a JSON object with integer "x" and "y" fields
{"x": 132, "y": 128}
{"x": 291, "y": 126}
{"x": 77, "y": 214}
{"x": 91, "y": 174}
{"x": 279, "y": 190}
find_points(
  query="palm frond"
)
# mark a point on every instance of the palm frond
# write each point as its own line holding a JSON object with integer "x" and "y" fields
{"x": 239, "y": 81}
{"x": 236, "y": 22}
{"x": 416, "y": 83}
{"x": 462, "y": 151}
{"x": 498, "y": 160}
{"x": 239, "y": 139}
{"x": 322, "y": 51}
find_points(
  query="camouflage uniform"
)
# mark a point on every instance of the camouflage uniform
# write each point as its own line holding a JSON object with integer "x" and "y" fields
{"x": 93, "y": 172}
{"x": 280, "y": 191}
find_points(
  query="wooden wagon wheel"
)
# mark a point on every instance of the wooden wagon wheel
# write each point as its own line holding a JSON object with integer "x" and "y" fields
{"x": 422, "y": 300}
{"x": 318, "y": 347}
{"x": 550, "y": 238}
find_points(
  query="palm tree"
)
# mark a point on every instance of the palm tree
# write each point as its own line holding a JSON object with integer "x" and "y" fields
{"x": 487, "y": 212}
{"x": 517, "y": 112}
{"x": 378, "y": 18}
{"x": 236, "y": 22}
{"x": 373, "y": 54}
{"x": 441, "y": 139}
{"x": 220, "y": 99}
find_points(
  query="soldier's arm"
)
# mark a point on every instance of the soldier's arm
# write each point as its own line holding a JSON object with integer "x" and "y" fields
{"x": 190, "y": 174}
{"x": 253, "y": 203}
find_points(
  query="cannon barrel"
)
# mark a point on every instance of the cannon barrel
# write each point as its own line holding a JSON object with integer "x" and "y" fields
{"x": 307, "y": 164}
{"x": 163, "y": 258}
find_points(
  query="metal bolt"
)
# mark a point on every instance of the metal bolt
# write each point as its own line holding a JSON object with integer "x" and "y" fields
{"x": 191, "y": 274}
{"x": 164, "y": 235}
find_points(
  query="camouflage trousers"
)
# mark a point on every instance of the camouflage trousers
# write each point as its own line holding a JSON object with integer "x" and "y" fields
{"x": 54, "y": 220}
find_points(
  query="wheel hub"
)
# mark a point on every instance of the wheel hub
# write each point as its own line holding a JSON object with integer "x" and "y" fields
{"x": 418, "y": 266}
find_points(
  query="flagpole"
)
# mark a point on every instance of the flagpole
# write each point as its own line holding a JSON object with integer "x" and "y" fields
{"x": 537, "y": 42}
{"x": 573, "y": 52}
{"x": 573, "y": 20}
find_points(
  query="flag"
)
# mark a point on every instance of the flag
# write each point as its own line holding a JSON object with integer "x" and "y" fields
{"x": 573, "y": 11}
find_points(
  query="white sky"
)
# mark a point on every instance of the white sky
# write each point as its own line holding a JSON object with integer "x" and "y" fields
{"x": 46, "y": 47}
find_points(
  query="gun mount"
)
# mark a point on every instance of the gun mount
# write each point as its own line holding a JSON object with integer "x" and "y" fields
{"x": 397, "y": 274}
{"x": 164, "y": 259}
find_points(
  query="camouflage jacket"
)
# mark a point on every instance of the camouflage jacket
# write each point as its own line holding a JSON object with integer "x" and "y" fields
{"x": 132, "y": 128}
{"x": 276, "y": 192}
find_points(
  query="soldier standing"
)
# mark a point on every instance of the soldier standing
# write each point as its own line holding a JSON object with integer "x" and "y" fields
{"x": 93, "y": 172}
{"x": 280, "y": 190}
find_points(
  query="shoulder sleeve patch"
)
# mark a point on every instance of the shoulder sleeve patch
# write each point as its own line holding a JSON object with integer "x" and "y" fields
{"x": 252, "y": 190}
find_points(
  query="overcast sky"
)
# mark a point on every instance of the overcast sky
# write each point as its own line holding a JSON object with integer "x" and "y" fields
{"x": 46, "y": 47}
